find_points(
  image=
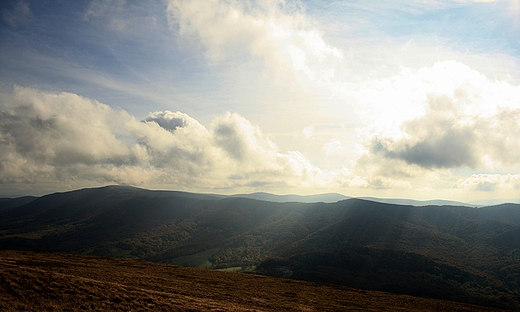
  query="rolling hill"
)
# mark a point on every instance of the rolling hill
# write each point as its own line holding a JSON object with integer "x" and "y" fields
{"x": 451, "y": 252}
{"x": 324, "y": 198}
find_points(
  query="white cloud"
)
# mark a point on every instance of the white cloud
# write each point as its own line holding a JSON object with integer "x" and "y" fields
{"x": 274, "y": 31}
{"x": 447, "y": 138}
{"x": 425, "y": 125}
{"x": 490, "y": 182}
{"x": 43, "y": 135}
{"x": 389, "y": 183}
{"x": 334, "y": 147}
{"x": 445, "y": 116}
{"x": 436, "y": 140}
{"x": 387, "y": 103}
{"x": 308, "y": 132}
{"x": 64, "y": 137}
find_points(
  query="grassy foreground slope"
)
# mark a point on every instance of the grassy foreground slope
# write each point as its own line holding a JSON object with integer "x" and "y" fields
{"x": 32, "y": 281}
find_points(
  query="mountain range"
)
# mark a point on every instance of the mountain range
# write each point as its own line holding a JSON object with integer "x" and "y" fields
{"x": 451, "y": 252}
{"x": 334, "y": 197}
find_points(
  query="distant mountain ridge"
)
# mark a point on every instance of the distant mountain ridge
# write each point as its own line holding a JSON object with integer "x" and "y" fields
{"x": 315, "y": 198}
{"x": 494, "y": 202}
{"x": 6, "y": 203}
{"x": 412, "y": 202}
{"x": 335, "y": 197}
{"x": 324, "y": 198}
{"x": 452, "y": 252}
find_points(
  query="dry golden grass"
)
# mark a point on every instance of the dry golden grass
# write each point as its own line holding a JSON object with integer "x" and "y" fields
{"x": 58, "y": 282}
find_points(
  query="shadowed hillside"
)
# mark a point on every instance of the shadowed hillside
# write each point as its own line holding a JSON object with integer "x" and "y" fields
{"x": 451, "y": 252}
{"x": 7, "y": 203}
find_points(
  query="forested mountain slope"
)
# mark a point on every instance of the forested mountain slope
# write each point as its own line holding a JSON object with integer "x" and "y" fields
{"x": 460, "y": 253}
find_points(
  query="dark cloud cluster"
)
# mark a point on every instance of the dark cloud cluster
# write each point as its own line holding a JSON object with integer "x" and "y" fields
{"x": 449, "y": 146}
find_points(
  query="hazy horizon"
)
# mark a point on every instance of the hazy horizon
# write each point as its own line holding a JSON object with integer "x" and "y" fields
{"x": 310, "y": 198}
{"x": 408, "y": 99}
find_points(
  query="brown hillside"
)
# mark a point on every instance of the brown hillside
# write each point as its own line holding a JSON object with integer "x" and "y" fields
{"x": 32, "y": 281}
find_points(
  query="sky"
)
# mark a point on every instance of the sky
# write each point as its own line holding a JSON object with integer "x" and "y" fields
{"x": 399, "y": 99}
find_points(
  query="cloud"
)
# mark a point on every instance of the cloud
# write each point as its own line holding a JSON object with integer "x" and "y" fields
{"x": 388, "y": 183}
{"x": 18, "y": 14}
{"x": 445, "y": 138}
{"x": 64, "y": 128}
{"x": 452, "y": 117}
{"x": 334, "y": 147}
{"x": 308, "y": 132}
{"x": 168, "y": 120}
{"x": 276, "y": 32}
{"x": 436, "y": 140}
{"x": 46, "y": 137}
{"x": 490, "y": 182}
{"x": 138, "y": 21}
{"x": 239, "y": 138}
{"x": 443, "y": 127}
{"x": 109, "y": 12}
{"x": 499, "y": 135}
{"x": 379, "y": 172}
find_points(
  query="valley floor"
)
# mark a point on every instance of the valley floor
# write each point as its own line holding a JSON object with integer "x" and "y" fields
{"x": 31, "y": 281}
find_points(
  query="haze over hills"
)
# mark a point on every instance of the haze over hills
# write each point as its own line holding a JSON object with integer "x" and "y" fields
{"x": 334, "y": 197}
{"x": 411, "y": 202}
{"x": 494, "y": 202}
{"x": 451, "y": 252}
{"x": 325, "y": 198}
